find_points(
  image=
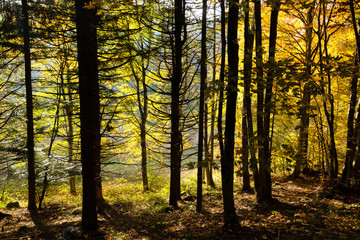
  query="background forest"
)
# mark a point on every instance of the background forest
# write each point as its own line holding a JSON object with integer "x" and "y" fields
{"x": 100, "y": 98}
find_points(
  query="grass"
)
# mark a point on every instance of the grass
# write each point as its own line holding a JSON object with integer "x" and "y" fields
{"x": 132, "y": 214}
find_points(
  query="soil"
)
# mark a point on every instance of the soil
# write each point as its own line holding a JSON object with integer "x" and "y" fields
{"x": 302, "y": 209}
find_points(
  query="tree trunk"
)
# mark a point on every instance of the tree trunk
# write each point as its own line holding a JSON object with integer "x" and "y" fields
{"x": 203, "y": 76}
{"x": 245, "y": 131}
{"x": 351, "y": 142}
{"x": 86, "y": 25}
{"x": 70, "y": 139}
{"x": 301, "y": 156}
{"x": 143, "y": 109}
{"x": 144, "y": 114}
{"x": 29, "y": 109}
{"x": 176, "y": 139}
{"x": 68, "y": 108}
{"x": 210, "y": 180}
{"x": 248, "y": 55}
{"x": 275, "y": 7}
{"x": 261, "y": 194}
{"x": 245, "y": 151}
{"x": 227, "y": 164}
{"x": 222, "y": 81}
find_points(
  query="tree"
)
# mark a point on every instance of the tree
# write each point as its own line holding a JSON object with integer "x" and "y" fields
{"x": 351, "y": 142}
{"x": 176, "y": 138}
{"x": 265, "y": 170}
{"x": 86, "y": 26}
{"x": 203, "y": 76}
{"x": 262, "y": 194}
{"x": 302, "y": 151}
{"x": 248, "y": 136}
{"x": 324, "y": 36}
{"x": 222, "y": 80}
{"x": 227, "y": 163}
{"x": 29, "y": 109}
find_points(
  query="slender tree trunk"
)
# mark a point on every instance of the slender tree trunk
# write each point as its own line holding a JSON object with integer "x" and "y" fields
{"x": 247, "y": 82}
{"x": 210, "y": 180}
{"x": 67, "y": 95}
{"x": 227, "y": 164}
{"x": 244, "y": 125}
{"x": 29, "y": 108}
{"x": 261, "y": 194}
{"x": 176, "y": 138}
{"x": 327, "y": 95}
{"x": 70, "y": 139}
{"x": 206, "y": 164}
{"x": 222, "y": 81}
{"x": 330, "y": 115}
{"x": 245, "y": 151}
{"x": 143, "y": 109}
{"x": 203, "y": 76}
{"x": 248, "y": 55}
{"x": 86, "y": 25}
{"x": 275, "y": 7}
{"x": 301, "y": 156}
{"x": 144, "y": 114}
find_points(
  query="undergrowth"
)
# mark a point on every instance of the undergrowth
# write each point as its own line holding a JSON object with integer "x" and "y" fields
{"x": 115, "y": 191}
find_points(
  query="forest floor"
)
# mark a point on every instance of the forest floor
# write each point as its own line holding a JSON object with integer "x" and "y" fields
{"x": 303, "y": 210}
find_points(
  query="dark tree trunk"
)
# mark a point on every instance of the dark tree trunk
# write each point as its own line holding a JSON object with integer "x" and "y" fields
{"x": 86, "y": 25}
{"x": 247, "y": 72}
{"x": 351, "y": 142}
{"x": 245, "y": 152}
{"x": 275, "y": 6}
{"x": 176, "y": 139}
{"x": 210, "y": 165}
{"x": 222, "y": 81}
{"x": 210, "y": 180}
{"x": 227, "y": 164}
{"x": 248, "y": 55}
{"x": 207, "y": 139}
{"x": 329, "y": 114}
{"x": 29, "y": 109}
{"x": 144, "y": 114}
{"x": 143, "y": 109}
{"x": 203, "y": 76}
{"x": 261, "y": 194}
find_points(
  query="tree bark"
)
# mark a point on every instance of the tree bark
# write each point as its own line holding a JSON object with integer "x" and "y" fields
{"x": 70, "y": 139}
{"x": 227, "y": 164}
{"x": 248, "y": 55}
{"x": 143, "y": 109}
{"x": 245, "y": 152}
{"x": 301, "y": 156}
{"x": 222, "y": 81}
{"x": 86, "y": 25}
{"x": 350, "y": 139}
{"x": 203, "y": 76}
{"x": 176, "y": 139}
{"x": 210, "y": 180}
{"x": 351, "y": 142}
{"x": 275, "y": 7}
{"x": 261, "y": 194}
{"x": 29, "y": 109}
